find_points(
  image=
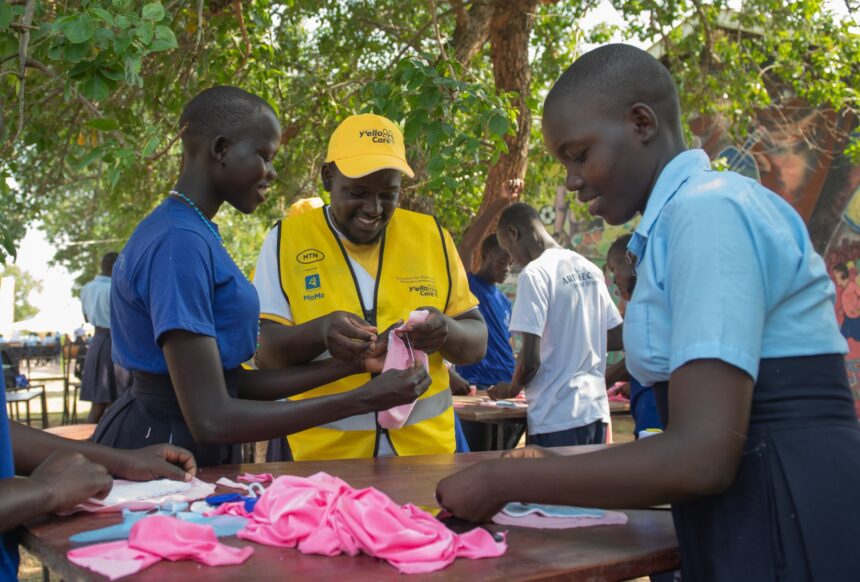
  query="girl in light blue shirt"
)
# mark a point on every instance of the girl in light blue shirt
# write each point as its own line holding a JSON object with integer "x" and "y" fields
{"x": 732, "y": 322}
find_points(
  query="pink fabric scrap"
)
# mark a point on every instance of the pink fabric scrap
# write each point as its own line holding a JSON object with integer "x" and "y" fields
{"x": 112, "y": 559}
{"x": 543, "y": 522}
{"x": 227, "y": 482}
{"x": 399, "y": 358}
{"x": 157, "y": 538}
{"x": 256, "y": 477}
{"x": 322, "y": 514}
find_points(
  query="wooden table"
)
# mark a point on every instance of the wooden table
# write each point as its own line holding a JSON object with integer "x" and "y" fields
{"x": 495, "y": 420}
{"x": 647, "y": 544}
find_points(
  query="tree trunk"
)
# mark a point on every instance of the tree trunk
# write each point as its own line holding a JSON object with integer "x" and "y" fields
{"x": 472, "y": 30}
{"x": 510, "y": 30}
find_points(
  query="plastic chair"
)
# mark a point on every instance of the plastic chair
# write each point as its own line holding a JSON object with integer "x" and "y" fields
{"x": 18, "y": 392}
{"x": 72, "y": 353}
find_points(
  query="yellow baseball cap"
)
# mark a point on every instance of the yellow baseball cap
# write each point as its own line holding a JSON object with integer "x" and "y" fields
{"x": 367, "y": 143}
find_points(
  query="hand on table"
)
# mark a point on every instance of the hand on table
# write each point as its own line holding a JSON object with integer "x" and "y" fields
{"x": 69, "y": 479}
{"x": 502, "y": 390}
{"x": 468, "y": 493}
{"x": 162, "y": 461}
{"x": 459, "y": 385}
{"x": 347, "y": 336}
{"x": 430, "y": 335}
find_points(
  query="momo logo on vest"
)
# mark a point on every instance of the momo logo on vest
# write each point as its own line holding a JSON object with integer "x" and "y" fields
{"x": 308, "y": 256}
{"x": 312, "y": 285}
{"x": 377, "y": 135}
{"x": 312, "y": 282}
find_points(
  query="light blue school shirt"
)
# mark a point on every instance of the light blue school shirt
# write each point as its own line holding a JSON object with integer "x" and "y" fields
{"x": 725, "y": 270}
{"x": 95, "y": 301}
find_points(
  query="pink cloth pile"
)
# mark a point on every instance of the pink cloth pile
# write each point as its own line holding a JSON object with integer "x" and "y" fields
{"x": 322, "y": 514}
{"x": 157, "y": 538}
{"x": 400, "y": 358}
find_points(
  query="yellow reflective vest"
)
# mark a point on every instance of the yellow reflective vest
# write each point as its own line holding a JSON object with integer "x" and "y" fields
{"x": 317, "y": 278}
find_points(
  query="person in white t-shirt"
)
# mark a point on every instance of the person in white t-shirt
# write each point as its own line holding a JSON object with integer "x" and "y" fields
{"x": 568, "y": 322}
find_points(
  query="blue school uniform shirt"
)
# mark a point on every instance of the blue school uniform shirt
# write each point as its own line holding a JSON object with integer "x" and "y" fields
{"x": 174, "y": 274}
{"x": 725, "y": 270}
{"x": 498, "y": 364}
{"x": 9, "y": 539}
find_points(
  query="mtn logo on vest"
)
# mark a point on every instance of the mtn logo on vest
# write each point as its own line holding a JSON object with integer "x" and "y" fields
{"x": 308, "y": 256}
{"x": 377, "y": 135}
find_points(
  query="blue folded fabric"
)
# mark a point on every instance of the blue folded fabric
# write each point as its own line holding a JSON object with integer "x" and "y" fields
{"x": 217, "y": 500}
{"x": 524, "y": 509}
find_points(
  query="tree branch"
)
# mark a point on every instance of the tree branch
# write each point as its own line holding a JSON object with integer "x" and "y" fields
{"x": 26, "y": 21}
{"x": 166, "y": 149}
{"x": 438, "y": 34}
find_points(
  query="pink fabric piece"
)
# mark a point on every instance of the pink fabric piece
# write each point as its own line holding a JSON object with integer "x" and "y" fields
{"x": 174, "y": 539}
{"x": 322, "y": 514}
{"x": 153, "y": 539}
{"x": 232, "y": 484}
{"x": 112, "y": 559}
{"x": 398, "y": 358}
{"x": 236, "y": 508}
{"x": 256, "y": 478}
{"x": 544, "y": 522}
{"x": 191, "y": 491}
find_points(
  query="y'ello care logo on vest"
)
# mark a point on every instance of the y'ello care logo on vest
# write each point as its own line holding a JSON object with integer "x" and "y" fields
{"x": 312, "y": 286}
{"x": 422, "y": 286}
{"x": 377, "y": 135}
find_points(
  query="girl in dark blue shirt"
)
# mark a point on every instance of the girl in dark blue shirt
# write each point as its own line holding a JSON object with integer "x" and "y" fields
{"x": 184, "y": 317}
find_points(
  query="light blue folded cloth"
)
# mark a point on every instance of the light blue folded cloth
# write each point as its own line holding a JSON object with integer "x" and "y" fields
{"x": 524, "y": 509}
{"x": 224, "y": 525}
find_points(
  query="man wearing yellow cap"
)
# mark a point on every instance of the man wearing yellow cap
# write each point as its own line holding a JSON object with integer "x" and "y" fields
{"x": 331, "y": 277}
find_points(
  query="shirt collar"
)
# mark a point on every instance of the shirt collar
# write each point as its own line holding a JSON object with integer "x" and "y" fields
{"x": 102, "y": 278}
{"x": 673, "y": 176}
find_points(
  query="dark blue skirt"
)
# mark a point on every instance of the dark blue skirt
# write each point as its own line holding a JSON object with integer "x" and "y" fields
{"x": 98, "y": 383}
{"x": 793, "y": 512}
{"x": 148, "y": 413}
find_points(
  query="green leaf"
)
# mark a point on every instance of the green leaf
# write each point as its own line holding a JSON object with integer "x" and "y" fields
{"x": 122, "y": 42}
{"x": 436, "y": 163}
{"x": 150, "y": 146}
{"x": 5, "y": 15}
{"x": 102, "y": 15}
{"x": 103, "y": 124}
{"x": 89, "y": 158}
{"x": 145, "y": 32}
{"x": 152, "y": 12}
{"x": 75, "y": 53}
{"x": 95, "y": 88}
{"x": 112, "y": 74}
{"x": 498, "y": 125}
{"x": 164, "y": 39}
{"x": 79, "y": 30}
{"x": 81, "y": 69}
{"x": 121, "y": 21}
